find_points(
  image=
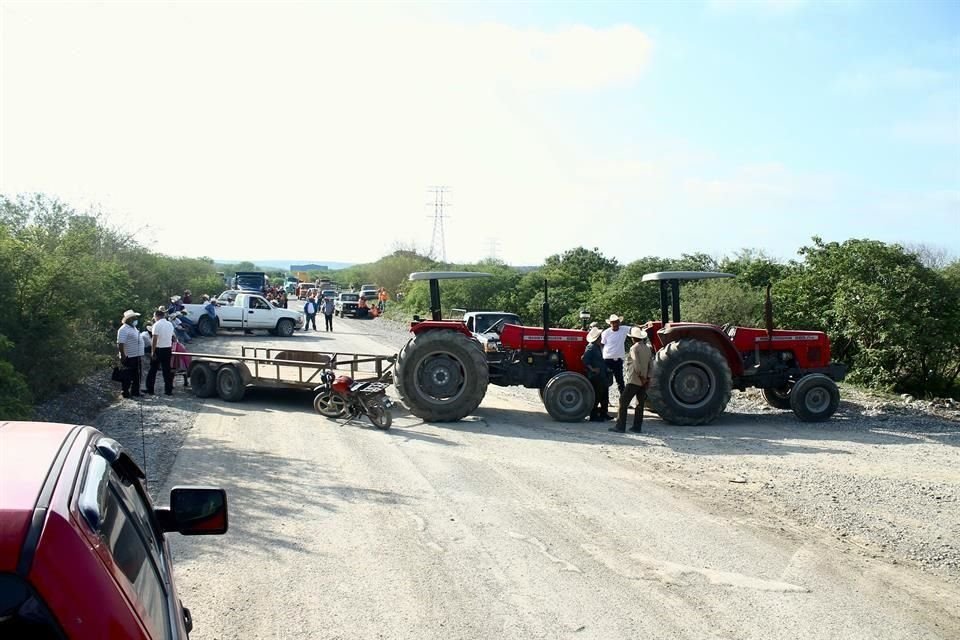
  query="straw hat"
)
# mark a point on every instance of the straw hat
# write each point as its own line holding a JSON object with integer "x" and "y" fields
{"x": 637, "y": 332}
{"x": 593, "y": 334}
{"x": 130, "y": 313}
{"x": 615, "y": 318}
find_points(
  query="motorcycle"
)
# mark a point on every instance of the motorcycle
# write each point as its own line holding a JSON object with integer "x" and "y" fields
{"x": 341, "y": 396}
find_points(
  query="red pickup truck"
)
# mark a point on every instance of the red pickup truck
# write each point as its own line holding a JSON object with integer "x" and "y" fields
{"x": 82, "y": 548}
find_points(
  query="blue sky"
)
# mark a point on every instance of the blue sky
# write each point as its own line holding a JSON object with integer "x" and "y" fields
{"x": 638, "y": 128}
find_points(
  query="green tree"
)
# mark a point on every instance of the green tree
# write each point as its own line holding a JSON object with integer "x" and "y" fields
{"x": 894, "y": 319}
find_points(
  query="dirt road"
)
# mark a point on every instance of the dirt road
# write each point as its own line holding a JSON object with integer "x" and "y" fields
{"x": 509, "y": 525}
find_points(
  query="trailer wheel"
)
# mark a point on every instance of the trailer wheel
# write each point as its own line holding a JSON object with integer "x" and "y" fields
{"x": 203, "y": 380}
{"x": 814, "y": 398}
{"x": 230, "y": 384}
{"x": 690, "y": 383}
{"x": 777, "y": 397}
{"x": 442, "y": 375}
{"x": 285, "y": 327}
{"x": 207, "y": 326}
{"x": 568, "y": 397}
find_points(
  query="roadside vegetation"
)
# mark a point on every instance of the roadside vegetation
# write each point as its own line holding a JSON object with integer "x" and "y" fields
{"x": 892, "y": 312}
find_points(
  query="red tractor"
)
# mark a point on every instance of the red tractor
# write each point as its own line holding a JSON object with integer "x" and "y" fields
{"x": 696, "y": 365}
{"x": 442, "y": 373}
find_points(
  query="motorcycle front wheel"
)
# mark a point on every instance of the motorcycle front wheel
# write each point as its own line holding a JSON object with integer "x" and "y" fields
{"x": 330, "y": 404}
{"x": 379, "y": 414}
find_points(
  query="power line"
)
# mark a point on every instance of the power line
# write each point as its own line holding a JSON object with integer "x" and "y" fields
{"x": 438, "y": 245}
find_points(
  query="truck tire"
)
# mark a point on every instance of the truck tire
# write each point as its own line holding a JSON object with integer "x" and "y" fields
{"x": 285, "y": 327}
{"x": 230, "y": 384}
{"x": 777, "y": 397}
{"x": 568, "y": 397}
{"x": 203, "y": 380}
{"x": 207, "y": 326}
{"x": 442, "y": 375}
{"x": 690, "y": 383}
{"x": 814, "y": 398}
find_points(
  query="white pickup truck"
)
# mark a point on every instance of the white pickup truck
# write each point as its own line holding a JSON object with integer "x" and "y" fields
{"x": 249, "y": 311}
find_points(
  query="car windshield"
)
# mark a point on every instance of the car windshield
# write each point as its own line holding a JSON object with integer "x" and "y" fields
{"x": 487, "y": 320}
{"x": 349, "y": 297}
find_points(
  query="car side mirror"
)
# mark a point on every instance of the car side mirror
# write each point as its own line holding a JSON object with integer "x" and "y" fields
{"x": 195, "y": 511}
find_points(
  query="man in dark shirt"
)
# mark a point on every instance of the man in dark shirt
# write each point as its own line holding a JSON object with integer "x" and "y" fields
{"x": 596, "y": 370}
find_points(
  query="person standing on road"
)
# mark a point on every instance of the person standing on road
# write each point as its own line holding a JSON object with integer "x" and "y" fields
{"x": 130, "y": 352}
{"x": 613, "y": 339}
{"x": 639, "y": 362}
{"x": 328, "y": 313}
{"x": 162, "y": 348}
{"x": 310, "y": 308}
{"x": 597, "y": 374}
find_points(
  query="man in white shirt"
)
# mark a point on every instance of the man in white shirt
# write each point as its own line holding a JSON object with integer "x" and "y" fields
{"x": 130, "y": 350}
{"x": 613, "y": 339}
{"x": 160, "y": 357}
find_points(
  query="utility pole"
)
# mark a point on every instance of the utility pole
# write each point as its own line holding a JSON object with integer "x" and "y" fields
{"x": 438, "y": 246}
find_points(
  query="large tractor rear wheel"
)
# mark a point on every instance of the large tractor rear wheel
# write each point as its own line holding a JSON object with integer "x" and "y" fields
{"x": 568, "y": 397}
{"x": 814, "y": 398}
{"x": 777, "y": 397}
{"x": 690, "y": 383}
{"x": 442, "y": 375}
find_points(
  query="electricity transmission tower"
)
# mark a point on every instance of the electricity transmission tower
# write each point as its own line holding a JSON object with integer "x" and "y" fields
{"x": 494, "y": 245}
{"x": 438, "y": 246}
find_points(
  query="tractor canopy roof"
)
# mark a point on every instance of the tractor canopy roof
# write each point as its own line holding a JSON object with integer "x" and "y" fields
{"x": 447, "y": 275}
{"x": 680, "y": 275}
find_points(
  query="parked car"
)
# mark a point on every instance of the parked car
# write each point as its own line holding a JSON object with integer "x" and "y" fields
{"x": 328, "y": 293}
{"x": 346, "y": 304}
{"x": 303, "y": 288}
{"x": 83, "y": 550}
{"x": 249, "y": 311}
{"x": 487, "y": 325}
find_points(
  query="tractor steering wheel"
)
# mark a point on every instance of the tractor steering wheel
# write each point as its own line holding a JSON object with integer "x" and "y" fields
{"x": 495, "y": 327}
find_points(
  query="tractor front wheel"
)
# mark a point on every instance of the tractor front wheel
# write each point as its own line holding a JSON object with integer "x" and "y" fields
{"x": 568, "y": 397}
{"x": 777, "y": 397}
{"x": 442, "y": 375}
{"x": 690, "y": 383}
{"x": 814, "y": 398}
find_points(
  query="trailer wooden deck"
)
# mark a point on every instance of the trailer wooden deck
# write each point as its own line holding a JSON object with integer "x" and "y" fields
{"x": 297, "y": 369}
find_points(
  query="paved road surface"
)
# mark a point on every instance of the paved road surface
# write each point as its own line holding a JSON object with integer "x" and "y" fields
{"x": 505, "y": 525}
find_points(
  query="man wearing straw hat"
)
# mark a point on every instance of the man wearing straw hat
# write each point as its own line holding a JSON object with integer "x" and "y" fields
{"x": 639, "y": 361}
{"x": 130, "y": 351}
{"x": 613, "y": 339}
{"x": 596, "y": 370}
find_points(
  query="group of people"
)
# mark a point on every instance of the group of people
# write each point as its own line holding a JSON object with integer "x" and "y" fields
{"x": 313, "y": 306}
{"x": 277, "y": 296}
{"x": 604, "y": 360}
{"x": 159, "y": 343}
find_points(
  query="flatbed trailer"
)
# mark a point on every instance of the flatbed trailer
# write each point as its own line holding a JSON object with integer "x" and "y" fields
{"x": 260, "y": 367}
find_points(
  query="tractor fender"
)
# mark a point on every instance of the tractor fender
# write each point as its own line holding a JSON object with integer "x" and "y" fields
{"x": 708, "y": 333}
{"x": 450, "y": 325}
